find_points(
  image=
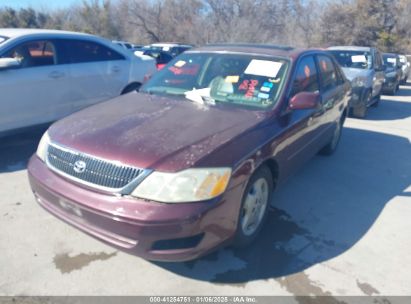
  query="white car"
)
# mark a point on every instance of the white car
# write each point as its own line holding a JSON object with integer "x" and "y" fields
{"x": 47, "y": 74}
{"x": 405, "y": 66}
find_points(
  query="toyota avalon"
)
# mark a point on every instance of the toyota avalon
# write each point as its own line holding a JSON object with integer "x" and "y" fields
{"x": 189, "y": 163}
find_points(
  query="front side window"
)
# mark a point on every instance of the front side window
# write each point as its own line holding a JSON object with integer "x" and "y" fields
{"x": 80, "y": 51}
{"x": 240, "y": 80}
{"x": 34, "y": 53}
{"x": 328, "y": 74}
{"x": 306, "y": 77}
{"x": 353, "y": 59}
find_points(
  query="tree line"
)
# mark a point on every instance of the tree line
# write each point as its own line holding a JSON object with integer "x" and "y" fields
{"x": 302, "y": 23}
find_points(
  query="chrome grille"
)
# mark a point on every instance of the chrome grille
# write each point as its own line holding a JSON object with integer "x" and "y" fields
{"x": 96, "y": 172}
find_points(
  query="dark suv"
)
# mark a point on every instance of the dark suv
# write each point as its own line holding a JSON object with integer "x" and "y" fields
{"x": 190, "y": 162}
{"x": 393, "y": 73}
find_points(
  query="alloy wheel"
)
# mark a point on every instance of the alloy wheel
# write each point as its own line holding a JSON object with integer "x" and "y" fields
{"x": 254, "y": 206}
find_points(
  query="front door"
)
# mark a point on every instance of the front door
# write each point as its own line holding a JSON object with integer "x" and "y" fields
{"x": 37, "y": 91}
{"x": 302, "y": 126}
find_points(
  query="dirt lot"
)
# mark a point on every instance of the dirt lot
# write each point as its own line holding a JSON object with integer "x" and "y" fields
{"x": 341, "y": 226}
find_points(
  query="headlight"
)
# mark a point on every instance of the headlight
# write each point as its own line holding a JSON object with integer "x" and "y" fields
{"x": 43, "y": 146}
{"x": 391, "y": 75}
{"x": 359, "y": 82}
{"x": 186, "y": 186}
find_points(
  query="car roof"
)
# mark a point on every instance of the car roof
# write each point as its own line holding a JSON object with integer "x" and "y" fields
{"x": 170, "y": 44}
{"x": 391, "y": 54}
{"x": 350, "y": 48}
{"x": 261, "y": 49}
{"x": 16, "y": 32}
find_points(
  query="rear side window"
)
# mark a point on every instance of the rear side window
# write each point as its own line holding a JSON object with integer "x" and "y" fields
{"x": 306, "y": 77}
{"x": 34, "y": 53}
{"x": 2, "y": 39}
{"x": 80, "y": 51}
{"x": 328, "y": 73}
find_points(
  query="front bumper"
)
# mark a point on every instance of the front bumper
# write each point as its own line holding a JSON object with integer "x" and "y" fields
{"x": 154, "y": 231}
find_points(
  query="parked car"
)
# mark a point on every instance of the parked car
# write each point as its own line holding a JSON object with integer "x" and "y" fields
{"x": 46, "y": 75}
{"x": 172, "y": 49}
{"x": 162, "y": 58}
{"x": 363, "y": 66}
{"x": 128, "y": 45}
{"x": 393, "y": 73}
{"x": 189, "y": 163}
{"x": 124, "y": 44}
{"x": 405, "y": 66}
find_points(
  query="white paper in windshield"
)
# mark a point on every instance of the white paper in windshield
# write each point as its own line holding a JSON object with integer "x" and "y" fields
{"x": 265, "y": 68}
{"x": 2, "y": 39}
{"x": 392, "y": 60}
{"x": 359, "y": 58}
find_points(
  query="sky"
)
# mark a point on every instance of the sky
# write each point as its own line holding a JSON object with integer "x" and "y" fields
{"x": 38, "y": 4}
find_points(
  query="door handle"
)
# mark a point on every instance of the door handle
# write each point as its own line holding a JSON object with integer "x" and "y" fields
{"x": 56, "y": 74}
{"x": 115, "y": 69}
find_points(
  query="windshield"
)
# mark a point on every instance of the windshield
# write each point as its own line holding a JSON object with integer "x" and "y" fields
{"x": 353, "y": 59}
{"x": 240, "y": 80}
{"x": 390, "y": 61}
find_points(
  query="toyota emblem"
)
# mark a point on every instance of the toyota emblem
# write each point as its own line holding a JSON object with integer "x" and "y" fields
{"x": 79, "y": 166}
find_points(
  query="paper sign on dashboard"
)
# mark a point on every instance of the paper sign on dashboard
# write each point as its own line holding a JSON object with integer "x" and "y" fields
{"x": 265, "y": 68}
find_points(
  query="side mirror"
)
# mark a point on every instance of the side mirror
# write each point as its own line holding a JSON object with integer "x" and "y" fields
{"x": 9, "y": 63}
{"x": 304, "y": 100}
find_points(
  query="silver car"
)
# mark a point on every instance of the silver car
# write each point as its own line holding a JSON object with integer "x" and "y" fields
{"x": 364, "y": 67}
{"x": 405, "y": 66}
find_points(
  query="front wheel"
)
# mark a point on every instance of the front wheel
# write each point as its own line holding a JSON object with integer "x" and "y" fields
{"x": 394, "y": 90}
{"x": 376, "y": 101}
{"x": 359, "y": 111}
{"x": 254, "y": 206}
{"x": 132, "y": 87}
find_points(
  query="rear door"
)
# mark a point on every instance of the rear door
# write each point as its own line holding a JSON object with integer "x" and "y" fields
{"x": 97, "y": 72}
{"x": 37, "y": 92}
{"x": 332, "y": 96}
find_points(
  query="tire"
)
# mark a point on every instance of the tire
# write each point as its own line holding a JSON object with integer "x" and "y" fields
{"x": 331, "y": 147}
{"x": 131, "y": 87}
{"x": 254, "y": 206}
{"x": 376, "y": 103}
{"x": 394, "y": 90}
{"x": 360, "y": 111}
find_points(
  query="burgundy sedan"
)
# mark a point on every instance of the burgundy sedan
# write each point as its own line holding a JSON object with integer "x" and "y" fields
{"x": 190, "y": 162}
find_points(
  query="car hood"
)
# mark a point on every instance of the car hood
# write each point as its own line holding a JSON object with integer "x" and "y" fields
{"x": 149, "y": 131}
{"x": 352, "y": 73}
